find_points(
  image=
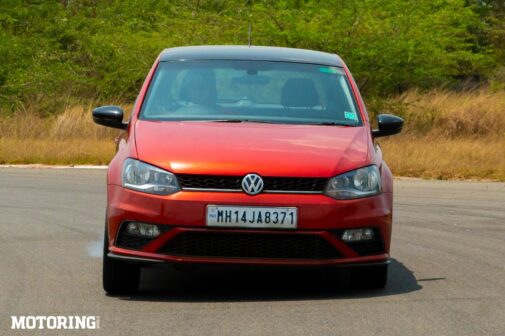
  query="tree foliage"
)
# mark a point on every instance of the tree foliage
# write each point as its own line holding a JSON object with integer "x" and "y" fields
{"x": 54, "y": 51}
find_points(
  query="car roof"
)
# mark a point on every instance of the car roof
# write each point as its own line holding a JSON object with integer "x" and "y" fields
{"x": 256, "y": 53}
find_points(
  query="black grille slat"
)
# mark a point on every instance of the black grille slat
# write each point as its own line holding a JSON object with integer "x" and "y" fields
{"x": 367, "y": 248}
{"x": 131, "y": 242}
{"x": 209, "y": 181}
{"x": 245, "y": 245}
{"x": 290, "y": 184}
{"x": 294, "y": 184}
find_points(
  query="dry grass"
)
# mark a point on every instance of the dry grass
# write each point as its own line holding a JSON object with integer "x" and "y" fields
{"x": 74, "y": 123}
{"x": 65, "y": 152}
{"x": 447, "y": 135}
{"x": 447, "y": 114}
{"x": 446, "y": 159}
{"x": 67, "y": 138}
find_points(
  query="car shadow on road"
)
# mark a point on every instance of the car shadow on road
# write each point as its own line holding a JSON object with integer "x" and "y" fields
{"x": 229, "y": 285}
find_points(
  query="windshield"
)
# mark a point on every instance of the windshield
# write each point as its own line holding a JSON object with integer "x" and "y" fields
{"x": 257, "y": 91}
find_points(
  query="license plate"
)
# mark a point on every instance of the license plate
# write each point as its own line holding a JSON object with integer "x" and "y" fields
{"x": 252, "y": 217}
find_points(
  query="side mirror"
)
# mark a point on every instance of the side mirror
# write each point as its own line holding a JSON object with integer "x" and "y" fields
{"x": 388, "y": 125}
{"x": 111, "y": 116}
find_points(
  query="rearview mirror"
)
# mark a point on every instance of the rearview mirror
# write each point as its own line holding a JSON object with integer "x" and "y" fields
{"x": 251, "y": 80}
{"x": 110, "y": 116}
{"x": 388, "y": 125}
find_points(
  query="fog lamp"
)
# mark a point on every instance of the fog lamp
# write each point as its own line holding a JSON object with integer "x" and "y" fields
{"x": 143, "y": 230}
{"x": 356, "y": 235}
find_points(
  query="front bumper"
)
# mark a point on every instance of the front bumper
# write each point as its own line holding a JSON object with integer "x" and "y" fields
{"x": 183, "y": 213}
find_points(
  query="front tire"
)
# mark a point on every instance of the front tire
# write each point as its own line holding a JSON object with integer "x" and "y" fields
{"x": 119, "y": 277}
{"x": 370, "y": 277}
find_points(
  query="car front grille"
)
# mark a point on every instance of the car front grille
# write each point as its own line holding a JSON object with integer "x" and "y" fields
{"x": 209, "y": 182}
{"x": 250, "y": 245}
{"x": 233, "y": 183}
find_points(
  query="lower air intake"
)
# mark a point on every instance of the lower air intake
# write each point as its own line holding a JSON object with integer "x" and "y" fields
{"x": 250, "y": 245}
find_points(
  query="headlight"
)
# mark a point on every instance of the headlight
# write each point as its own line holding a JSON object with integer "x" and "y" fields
{"x": 358, "y": 183}
{"x": 143, "y": 177}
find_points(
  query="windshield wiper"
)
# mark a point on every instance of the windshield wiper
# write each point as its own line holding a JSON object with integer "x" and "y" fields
{"x": 224, "y": 120}
{"x": 241, "y": 120}
{"x": 326, "y": 123}
{"x": 333, "y": 123}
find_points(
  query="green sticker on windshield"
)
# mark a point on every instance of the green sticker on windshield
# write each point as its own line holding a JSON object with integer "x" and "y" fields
{"x": 350, "y": 115}
{"x": 329, "y": 70}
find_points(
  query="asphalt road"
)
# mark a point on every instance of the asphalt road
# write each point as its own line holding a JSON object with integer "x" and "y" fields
{"x": 447, "y": 276}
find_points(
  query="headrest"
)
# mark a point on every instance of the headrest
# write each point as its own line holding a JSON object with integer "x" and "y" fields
{"x": 201, "y": 80}
{"x": 299, "y": 92}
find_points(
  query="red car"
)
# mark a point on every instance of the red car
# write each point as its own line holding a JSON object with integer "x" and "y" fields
{"x": 247, "y": 155}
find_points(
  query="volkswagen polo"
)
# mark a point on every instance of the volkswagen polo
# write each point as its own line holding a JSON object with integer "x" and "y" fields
{"x": 247, "y": 155}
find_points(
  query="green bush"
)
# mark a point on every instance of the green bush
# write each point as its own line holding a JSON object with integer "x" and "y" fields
{"x": 55, "y": 53}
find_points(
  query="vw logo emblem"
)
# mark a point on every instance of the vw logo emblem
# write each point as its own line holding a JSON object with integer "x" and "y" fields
{"x": 252, "y": 184}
